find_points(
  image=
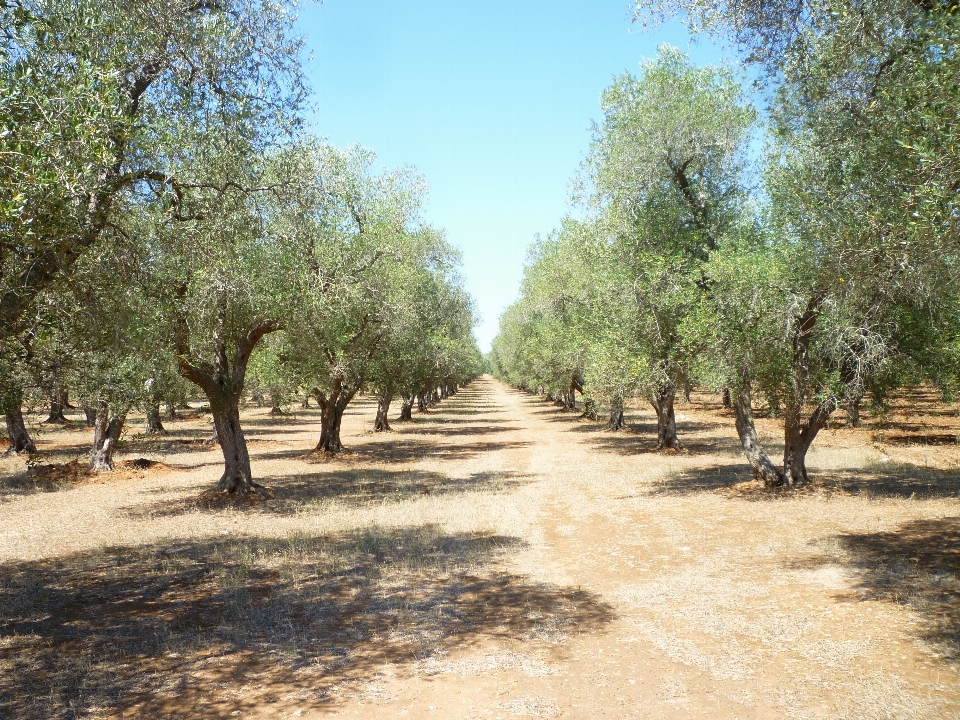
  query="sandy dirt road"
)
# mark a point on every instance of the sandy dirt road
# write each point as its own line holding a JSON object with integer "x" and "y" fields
{"x": 495, "y": 558}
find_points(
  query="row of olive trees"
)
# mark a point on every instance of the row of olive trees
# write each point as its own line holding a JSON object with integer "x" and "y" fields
{"x": 165, "y": 220}
{"x": 823, "y": 271}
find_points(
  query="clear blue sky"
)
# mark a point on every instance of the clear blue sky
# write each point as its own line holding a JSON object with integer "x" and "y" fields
{"x": 491, "y": 100}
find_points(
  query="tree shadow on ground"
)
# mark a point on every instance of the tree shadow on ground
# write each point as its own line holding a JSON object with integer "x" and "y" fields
{"x": 406, "y": 450}
{"x": 460, "y": 410}
{"x": 894, "y": 480}
{"x": 420, "y": 420}
{"x": 301, "y": 493}
{"x": 916, "y": 565}
{"x": 641, "y": 437}
{"x": 462, "y": 429}
{"x": 398, "y": 447}
{"x": 217, "y": 628}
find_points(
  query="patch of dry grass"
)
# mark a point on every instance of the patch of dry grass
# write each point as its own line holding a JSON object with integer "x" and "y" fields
{"x": 493, "y": 549}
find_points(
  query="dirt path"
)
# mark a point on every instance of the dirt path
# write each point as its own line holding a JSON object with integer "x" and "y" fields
{"x": 493, "y": 559}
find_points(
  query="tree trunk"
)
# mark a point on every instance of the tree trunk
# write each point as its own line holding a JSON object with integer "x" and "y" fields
{"x": 306, "y": 402}
{"x": 589, "y": 409}
{"x": 223, "y": 386}
{"x": 616, "y": 421}
{"x": 237, "y": 476}
{"x": 17, "y": 435}
{"x": 727, "y": 401}
{"x": 797, "y": 438}
{"x": 331, "y": 415}
{"x": 662, "y": 402}
{"x": 381, "y": 423}
{"x": 106, "y": 433}
{"x": 56, "y": 409}
{"x": 406, "y": 408}
{"x": 763, "y": 468}
{"x": 422, "y": 402}
{"x": 258, "y": 398}
{"x": 154, "y": 424}
{"x": 171, "y": 410}
{"x": 853, "y": 409}
{"x": 65, "y": 401}
{"x": 276, "y": 404}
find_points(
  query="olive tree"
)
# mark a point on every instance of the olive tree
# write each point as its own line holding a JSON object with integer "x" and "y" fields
{"x": 100, "y": 101}
{"x": 359, "y": 228}
{"x": 667, "y": 169}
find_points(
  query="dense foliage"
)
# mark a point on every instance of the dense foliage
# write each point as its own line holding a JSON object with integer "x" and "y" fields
{"x": 832, "y": 279}
{"x": 166, "y": 225}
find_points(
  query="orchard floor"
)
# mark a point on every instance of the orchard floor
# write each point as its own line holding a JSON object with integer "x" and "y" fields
{"x": 494, "y": 558}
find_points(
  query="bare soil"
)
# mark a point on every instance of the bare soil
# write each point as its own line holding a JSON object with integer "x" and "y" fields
{"x": 493, "y": 558}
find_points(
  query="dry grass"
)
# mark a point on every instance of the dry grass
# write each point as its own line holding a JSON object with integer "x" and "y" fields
{"x": 495, "y": 557}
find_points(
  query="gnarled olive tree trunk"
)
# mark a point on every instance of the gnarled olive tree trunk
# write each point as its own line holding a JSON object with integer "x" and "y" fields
{"x": 154, "y": 423}
{"x": 616, "y": 421}
{"x": 853, "y": 408}
{"x": 237, "y": 475}
{"x": 797, "y": 434}
{"x": 381, "y": 423}
{"x": 106, "y": 432}
{"x": 589, "y": 409}
{"x": 763, "y": 468}
{"x": 222, "y": 382}
{"x": 332, "y": 407}
{"x": 662, "y": 400}
{"x": 57, "y": 406}
{"x": 406, "y": 408}
{"x": 17, "y": 435}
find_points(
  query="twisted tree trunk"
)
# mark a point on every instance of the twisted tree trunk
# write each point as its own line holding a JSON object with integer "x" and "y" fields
{"x": 589, "y": 409}
{"x": 237, "y": 475}
{"x": 106, "y": 433}
{"x": 56, "y": 416}
{"x": 17, "y": 435}
{"x": 662, "y": 402}
{"x": 332, "y": 408}
{"x": 381, "y": 423}
{"x": 797, "y": 434}
{"x": 223, "y": 386}
{"x": 154, "y": 423}
{"x": 853, "y": 409}
{"x": 616, "y": 421}
{"x": 406, "y": 408}
{"x": 763, "y": 468}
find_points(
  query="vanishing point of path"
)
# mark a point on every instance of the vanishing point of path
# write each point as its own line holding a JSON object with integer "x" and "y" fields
{"x": 495, "y": 558}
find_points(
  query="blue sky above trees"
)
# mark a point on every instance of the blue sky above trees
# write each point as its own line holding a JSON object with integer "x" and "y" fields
{"x": 490, "y": 99}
